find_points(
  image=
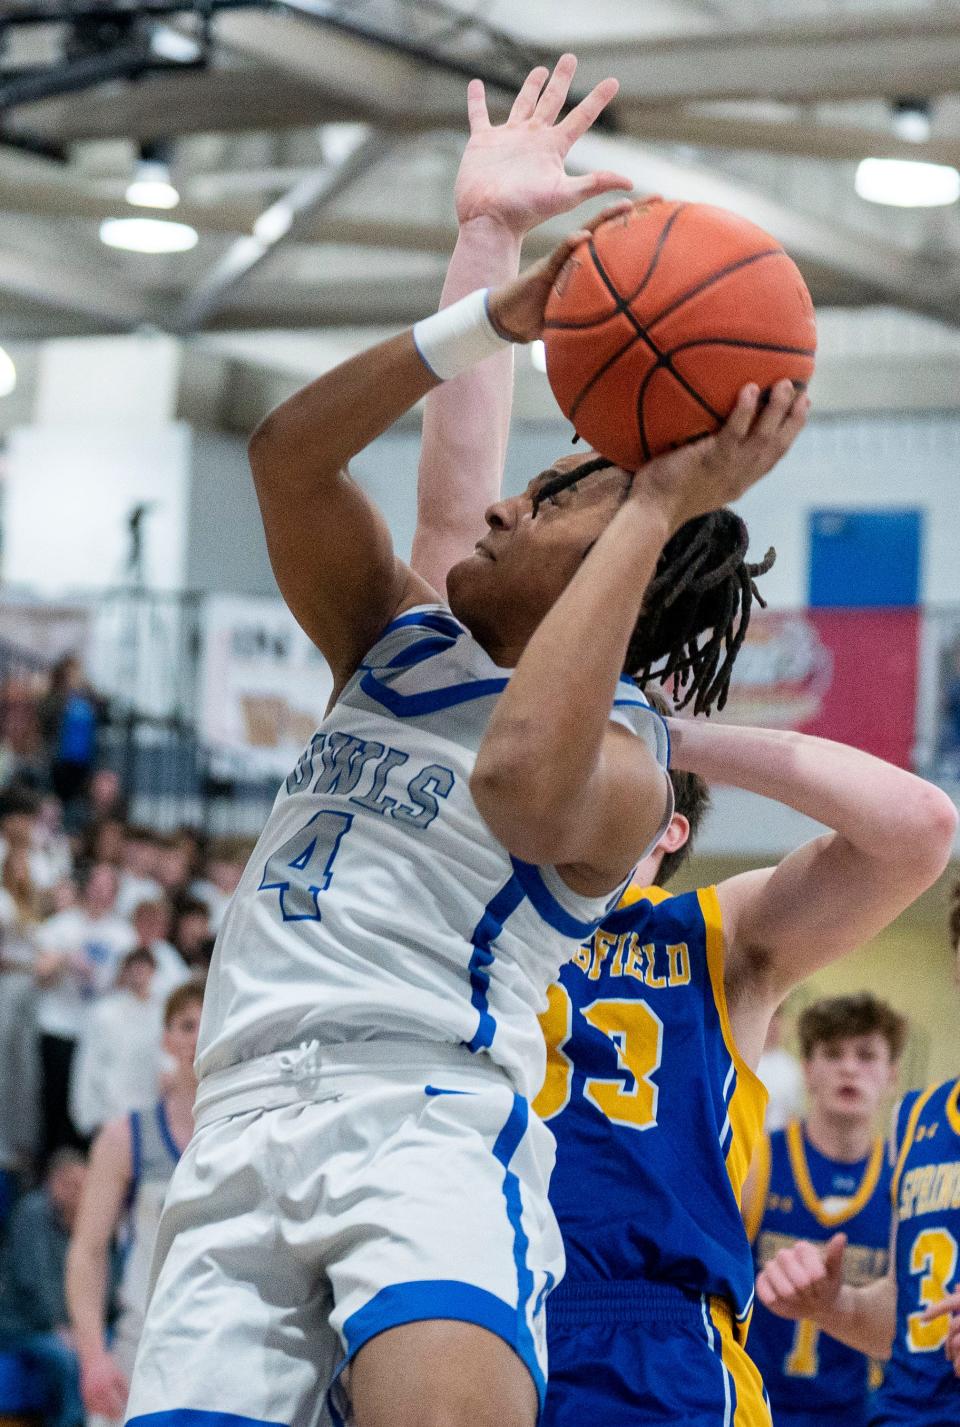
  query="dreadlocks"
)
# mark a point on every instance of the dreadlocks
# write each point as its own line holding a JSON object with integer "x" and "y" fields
{"x": 703, "y": 585}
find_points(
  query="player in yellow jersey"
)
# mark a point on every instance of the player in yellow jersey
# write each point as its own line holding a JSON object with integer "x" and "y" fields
{"x": 911, "y": 1316}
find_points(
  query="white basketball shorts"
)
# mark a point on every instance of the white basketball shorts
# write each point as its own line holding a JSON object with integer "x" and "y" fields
{"x": 328, "y": 1195}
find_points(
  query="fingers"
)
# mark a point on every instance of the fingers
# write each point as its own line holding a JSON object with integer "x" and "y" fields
{"x": 775, "y": 412}
{"x": 833, "y": 1255}
{"x": 477, "y": 106}
{"x": 526, "y": 100}
{"x": 586, "y": 113}
{"x": 590, "y": 185}
{"x": 556, "y": 260}
{"x": 737, "y": 426}
{"x": 949, "y": 1304}
{"x": 792, "y": 1282}
{"x": 554, "y": 96}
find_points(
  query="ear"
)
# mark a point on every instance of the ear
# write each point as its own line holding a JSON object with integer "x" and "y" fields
{"x": 676, "y": 835}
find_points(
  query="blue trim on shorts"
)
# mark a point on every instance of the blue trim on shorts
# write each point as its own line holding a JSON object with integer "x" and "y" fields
{"x": 547, "y": 906}
{"x": 423, "y": 649}
{"x": 488, "y": 928}
{"x": 422, "y": 1300}
{"x": 429, "y": 618}
{"x": 504, "y": 1149}
{"x": 198, "y": 1417}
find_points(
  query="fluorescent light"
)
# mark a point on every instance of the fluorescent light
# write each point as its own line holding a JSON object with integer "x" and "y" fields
{"x": 902, "y": 183}
{"x": 147, "y": 235}
{"x": 538, "y": 356}
{"x": 8, "y": 373}
{"x": 172, "y": 45}
{"x": 150, "y": 186}
{"x": 274, "y": 222}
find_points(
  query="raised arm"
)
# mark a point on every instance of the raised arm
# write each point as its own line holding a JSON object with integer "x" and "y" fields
{"x": 892, "y": 837}
{"x": 108, "y": 1180}
{"x": 511, "y": 178}
{"x": 555, "y": 780}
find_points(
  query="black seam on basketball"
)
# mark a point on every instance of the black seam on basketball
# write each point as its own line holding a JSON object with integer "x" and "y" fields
{"x": 631, "y": 297}
{"x": 668, "y": 366}
{"x": 601, "y": 371}
{"x": 739, "y": 342}
{"x": 715, "y": 277}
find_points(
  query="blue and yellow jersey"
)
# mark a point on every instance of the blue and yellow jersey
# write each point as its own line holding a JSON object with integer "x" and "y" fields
{"x": 802, "y": 1194}
{"x": 919, "y": 1386}
{"x": 655, "y": 1113}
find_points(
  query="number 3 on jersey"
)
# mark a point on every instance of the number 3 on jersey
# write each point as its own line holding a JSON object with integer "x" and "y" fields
{"x": 636, "y": 1032}
{"x": 302, "y": 867}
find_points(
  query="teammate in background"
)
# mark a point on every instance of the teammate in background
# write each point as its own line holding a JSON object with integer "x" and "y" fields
{"x": 911, "y": 1316}
{"x": 817, "y": 1176}
{"x": 475, "y": 797}
{"x": 656, "y": 1024}
{"x": 131, "y": 1163}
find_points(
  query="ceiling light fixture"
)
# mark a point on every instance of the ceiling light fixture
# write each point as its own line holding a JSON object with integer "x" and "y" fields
{"x": 148, "y": 235}
{"x": 150, "y": 186}
{"x": 902, "y": 183}
{"x": 910, "y": 119}
{"x": 8, "y": 373}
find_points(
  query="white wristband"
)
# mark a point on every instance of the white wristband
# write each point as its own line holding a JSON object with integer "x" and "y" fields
{"x": 457, "y": 337}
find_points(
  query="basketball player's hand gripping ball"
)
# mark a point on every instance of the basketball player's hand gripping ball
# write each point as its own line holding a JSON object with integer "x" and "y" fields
{"x": 514, "y": 173}
{"x": 662, "y": 316}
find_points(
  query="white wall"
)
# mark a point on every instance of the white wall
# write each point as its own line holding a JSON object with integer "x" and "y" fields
{"x": 69, "y": 489}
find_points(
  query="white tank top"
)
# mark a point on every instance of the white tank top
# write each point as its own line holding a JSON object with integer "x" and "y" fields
{"x": 153, "y": 1157}
{"x": 376, "y": 902}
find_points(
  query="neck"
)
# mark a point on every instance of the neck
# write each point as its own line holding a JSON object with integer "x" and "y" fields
{"x": 843, "y": 1139}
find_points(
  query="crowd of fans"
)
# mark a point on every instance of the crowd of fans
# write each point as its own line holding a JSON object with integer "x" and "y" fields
{"x": 101, "y": 920}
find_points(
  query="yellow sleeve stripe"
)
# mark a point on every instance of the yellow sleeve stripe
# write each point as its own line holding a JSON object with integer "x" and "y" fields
{"x": 908, "y": 1137}
{"x": 953, "y": 1108}
{"x": 753, "y": 1216}
{"x": 748, "y": 1105}
{"x": 801, "y": 1176}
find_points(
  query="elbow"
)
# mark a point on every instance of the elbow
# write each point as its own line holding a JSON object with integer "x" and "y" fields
{"x": 520, "y": 811}
{"x": 935, "y": 820}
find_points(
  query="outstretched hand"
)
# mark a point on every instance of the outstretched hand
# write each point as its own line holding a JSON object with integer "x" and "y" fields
{"x": 514, "y": 173}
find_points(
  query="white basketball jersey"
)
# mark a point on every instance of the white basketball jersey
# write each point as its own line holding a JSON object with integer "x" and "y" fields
{"x": 377, "y": 904}
{"x": 154, "y": 1155}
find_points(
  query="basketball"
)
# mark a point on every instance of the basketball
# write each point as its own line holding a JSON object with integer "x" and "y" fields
{"x": 656, "y": 322}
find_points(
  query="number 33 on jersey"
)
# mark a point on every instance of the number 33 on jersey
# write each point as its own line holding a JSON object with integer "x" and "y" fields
{"x": 643, "y": 1080}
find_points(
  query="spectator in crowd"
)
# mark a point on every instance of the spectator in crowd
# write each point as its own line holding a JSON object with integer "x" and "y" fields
{"x": 117, "y": 1064}
{"x": 51, "y": 840}
{"x": 223, "y": 868}
{"x": 21, "y": 751}
{"x": 138, "y": 880}
{"x": 174, "y": 867}
{"x": 782, "y": 1075}
{"x": 20, "y": 828}
{"x": 19, "y": 1077}
{"x": 79, "y": 952}
{"x": 191, "y": 931}
{"x": 106, "y": 797}
{"x": 130, "y": 1167}
{"x": 151, "y": 925}
{"x": 68, "y": 726}
{"x": 33, "y": 1308}
{"x": 21, "y": 909}
{"x": 103, "y": 841}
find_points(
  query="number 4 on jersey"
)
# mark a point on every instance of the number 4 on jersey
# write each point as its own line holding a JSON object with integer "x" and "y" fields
{"x": 302, "y": 867}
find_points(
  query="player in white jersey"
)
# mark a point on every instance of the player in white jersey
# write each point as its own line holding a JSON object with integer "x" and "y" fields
{"x": 131, "y": 1163}
{"x": 365, "y": 1195}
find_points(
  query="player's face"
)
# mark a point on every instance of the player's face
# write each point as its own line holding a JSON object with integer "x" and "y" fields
{"x": 531, "y": 551}
{"x": 847, "y": 1078}
{"x": 180, "y": 1037}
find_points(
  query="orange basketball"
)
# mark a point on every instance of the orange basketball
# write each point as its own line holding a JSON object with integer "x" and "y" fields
{"x": 655, "y": 323}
